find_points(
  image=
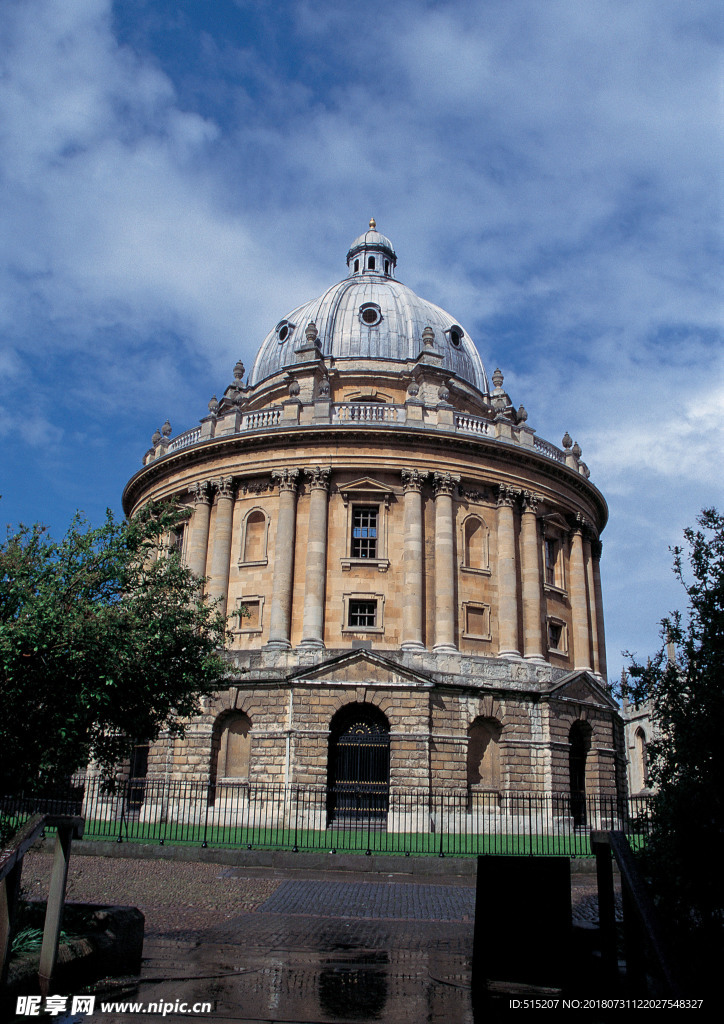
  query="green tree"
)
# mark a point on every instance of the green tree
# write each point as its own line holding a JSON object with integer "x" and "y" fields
{"x": 683, "y": 858}
{"x": 102, "y": 641}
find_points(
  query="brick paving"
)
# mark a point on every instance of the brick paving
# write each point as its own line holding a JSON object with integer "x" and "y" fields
{"x": 373, "y": 900}
{"x": 271, "y": 944}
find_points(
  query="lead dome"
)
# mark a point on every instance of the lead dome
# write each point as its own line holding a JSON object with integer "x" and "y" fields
{"x": 371, "y": 316}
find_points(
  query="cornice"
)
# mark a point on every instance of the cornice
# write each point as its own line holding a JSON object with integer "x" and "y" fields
{"x": 419, "y": 439}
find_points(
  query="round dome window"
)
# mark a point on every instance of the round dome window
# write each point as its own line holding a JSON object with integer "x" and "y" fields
{"x": 370, "y": 314}
{"x": 456, "y": 335}
{"x": 284, "y": 329}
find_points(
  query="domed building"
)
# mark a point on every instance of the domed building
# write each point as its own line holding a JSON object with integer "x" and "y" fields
{"x": 411, "y": 573}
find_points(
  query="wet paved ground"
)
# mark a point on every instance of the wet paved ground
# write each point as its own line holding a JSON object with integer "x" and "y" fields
{"x": 297, "y": 946}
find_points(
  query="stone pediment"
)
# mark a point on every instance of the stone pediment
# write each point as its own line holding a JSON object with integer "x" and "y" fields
{"x": 363, "y": 667}
{"x": 584, "y": 688}
{"x": 365, "y": 488}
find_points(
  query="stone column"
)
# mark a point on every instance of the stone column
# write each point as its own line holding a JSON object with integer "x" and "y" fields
{"x": 443, "y": 484}
{"x": 221, "y": 548}
{"x": 596, "y": 548}
{"x": 507, "y": 579}
{"x": 412, "y": 599}
{"x": 579, "y": 608}
{"x": 591, "y": 597}
{"x": 316, "y": 569}
{"x": 283, "y": 579}
{"x": 531, "y": 579}
{"x": 199, "y": 528}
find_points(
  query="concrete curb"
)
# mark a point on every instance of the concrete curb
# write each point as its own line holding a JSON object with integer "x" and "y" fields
{"x": 285, "y": 860}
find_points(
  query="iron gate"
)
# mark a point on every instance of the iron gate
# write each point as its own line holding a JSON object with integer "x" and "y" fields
{"x": 359, "y": 769}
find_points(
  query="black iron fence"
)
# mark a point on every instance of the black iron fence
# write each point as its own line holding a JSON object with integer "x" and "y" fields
{"x": 304, "y": 817}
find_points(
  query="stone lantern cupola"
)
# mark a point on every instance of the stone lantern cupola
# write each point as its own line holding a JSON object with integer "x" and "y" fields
{"x": 372, "y": 253}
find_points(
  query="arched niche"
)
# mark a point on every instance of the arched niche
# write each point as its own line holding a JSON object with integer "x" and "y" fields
{"x": 483, "y": 758}
{"x": 475, "y": 544}
{"x": 254, "y": 537}
{"x": 231, "y": 747}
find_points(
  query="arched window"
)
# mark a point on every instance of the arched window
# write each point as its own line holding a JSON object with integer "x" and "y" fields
{"x": 370, "y": 263}
{"x": 579, "y": 740}
{"x": 254, "y": 537}
{"x": 475, "y": 544}
{"x": 231, "y": 747}
{"x": 484, "y": 753}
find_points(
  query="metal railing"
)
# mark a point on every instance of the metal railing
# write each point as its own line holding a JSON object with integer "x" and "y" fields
{"x": 343, "y": 818}
{"x": 650, "y": 967}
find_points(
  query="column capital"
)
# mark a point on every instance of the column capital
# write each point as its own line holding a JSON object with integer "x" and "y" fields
{"x": 596, "y": 548}
{"x": 413, "y": 479}
{"x": 224, "y": 487}
{"x": 318, "y": 477}
{"x": 201, "y": 491}
{"x": 444, "y": 483}
{"x": 507, "y": 495}
{"x": 287, "y": 479}
{"x": 583, "y": 526}
{"x": 530, "y": 501}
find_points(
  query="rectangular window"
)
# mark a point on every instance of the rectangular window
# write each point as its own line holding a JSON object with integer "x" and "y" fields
{"x": 557, "y": 639}
{"x": 363, "y": 614}
{"x": 176, "y": 541}
{"x": 364, "y": 532}
{"x": 551, "y": 561}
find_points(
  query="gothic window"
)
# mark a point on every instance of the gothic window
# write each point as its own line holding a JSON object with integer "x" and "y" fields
{"x": 484, "y": 753}
{"x": 364, "y": 531}
{"x": 640, "y": 774}
{"x": 475, "y": 544}
{"x": 254, "y": 535}
{"x": 232, "y": 746}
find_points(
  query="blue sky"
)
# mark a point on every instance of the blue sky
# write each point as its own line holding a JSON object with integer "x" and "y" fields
{"x": 178, "y": 174}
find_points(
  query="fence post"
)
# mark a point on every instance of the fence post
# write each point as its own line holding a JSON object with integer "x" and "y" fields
{"x": 56, "y": 898}
{"x": 601, "y": 850}
{"x": 9, "y": 892}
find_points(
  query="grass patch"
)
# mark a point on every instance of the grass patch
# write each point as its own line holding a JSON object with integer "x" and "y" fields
{"x": 342, "y": 840}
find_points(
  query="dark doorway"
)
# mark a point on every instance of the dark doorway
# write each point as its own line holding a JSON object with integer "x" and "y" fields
{"x": 358, "y": 773}
{"x": 579, "y": 739}
{"x": 137, "y": 773}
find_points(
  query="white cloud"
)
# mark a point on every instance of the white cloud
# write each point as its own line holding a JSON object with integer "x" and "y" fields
{"x": 545, "y": 170}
